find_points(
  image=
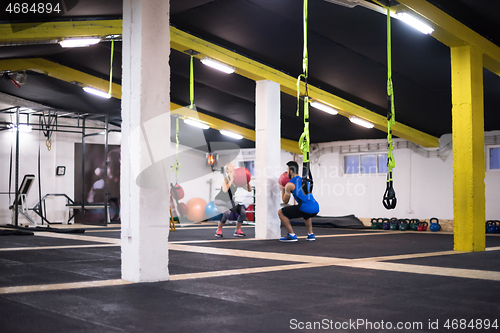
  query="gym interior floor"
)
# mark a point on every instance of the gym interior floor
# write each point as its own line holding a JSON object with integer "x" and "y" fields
{"x": 346, "y": 280}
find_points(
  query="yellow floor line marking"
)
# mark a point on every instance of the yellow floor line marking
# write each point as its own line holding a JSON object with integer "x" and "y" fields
{"x": 367, "y": 263}
{"x": 373, "y": 263}
{"x": 199, "y": 241}
{"x": 410, "y": 256}
{"x": 56, "y": 247}
{"x": 428, "y": 270}
{"x": 80, "y": 237}
{"x": 62, "y": 286}
{"x": 231, "y": 272}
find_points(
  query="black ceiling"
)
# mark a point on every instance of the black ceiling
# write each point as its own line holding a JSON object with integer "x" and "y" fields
{"x": 347, "y": 57}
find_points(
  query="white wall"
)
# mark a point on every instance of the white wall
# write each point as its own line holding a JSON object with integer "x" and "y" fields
{"x": 423, "y": 188}
{"x": 423, "y": 185}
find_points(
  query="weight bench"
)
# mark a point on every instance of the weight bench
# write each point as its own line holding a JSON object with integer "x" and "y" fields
{"x": 78, "y": 206}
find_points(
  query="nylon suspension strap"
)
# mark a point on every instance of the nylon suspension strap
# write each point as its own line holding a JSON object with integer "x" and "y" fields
{"x": 304, "y": 140}
{"x": 110, "y": 91}
{"x": 177, "y": 165}
{"x": 389, "y": 199}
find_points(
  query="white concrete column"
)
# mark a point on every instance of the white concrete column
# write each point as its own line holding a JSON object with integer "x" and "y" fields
{"x": 268, "y": 159}
{"x": 145, "y": 140}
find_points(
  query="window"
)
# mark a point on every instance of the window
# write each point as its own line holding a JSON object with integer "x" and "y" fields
{"x": 494, "y": 158}
{"x": 382, "y": 163}
{"x": 368, "y": 163}
{"x": 351, "y": 164}
{"x": 365, "y": 163}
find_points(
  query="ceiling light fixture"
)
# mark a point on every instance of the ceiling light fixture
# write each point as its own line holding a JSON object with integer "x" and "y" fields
{"x": 415, "y": 23}
{"x": 79, "y": 42}
{"x": 22, "y": 128}
{"x": 196, "y": 123}
{"x": 323, "y": 107}
{"x": 217, "y": 65}
{"x": 96, "y": 92}
{"x": 231, "y": 134}
{"x": 361, "y": 122}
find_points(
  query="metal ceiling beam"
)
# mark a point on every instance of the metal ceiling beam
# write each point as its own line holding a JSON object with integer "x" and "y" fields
{"x": 71, "y": 75}
{"x": 251, "y": 69}
{"x": 182, "y": 41}
{"x": 452, "y": 33}
{"x": 60, "y": 72}
{"x": 218, "y": 124}
{"x": 29, "y": 32}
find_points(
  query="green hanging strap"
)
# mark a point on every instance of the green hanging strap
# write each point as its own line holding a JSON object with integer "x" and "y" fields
{"x": 389, "y": 199}
{"x": 304, "y": 141}
{"x": 305, "y": 58}
{"x": 191, "y": 83}
{"x": 177, "y": 165}
{"x": 111, "y": 69}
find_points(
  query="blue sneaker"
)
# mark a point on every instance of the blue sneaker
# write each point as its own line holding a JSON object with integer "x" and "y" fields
{"x": 289, "y": 238}
{"x": 310, "y": 237}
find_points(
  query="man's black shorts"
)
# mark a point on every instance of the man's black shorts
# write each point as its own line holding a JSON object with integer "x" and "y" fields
{"x": 294, "y": 211}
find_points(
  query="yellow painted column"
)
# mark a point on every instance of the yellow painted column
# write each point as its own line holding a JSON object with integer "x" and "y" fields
{"x": 468, "y": 148}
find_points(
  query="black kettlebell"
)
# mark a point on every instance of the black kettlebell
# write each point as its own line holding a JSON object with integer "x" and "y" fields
{"x": 385, "y": 224}
{"x": 393, "y": 224}
{"x": 403, "y": 225}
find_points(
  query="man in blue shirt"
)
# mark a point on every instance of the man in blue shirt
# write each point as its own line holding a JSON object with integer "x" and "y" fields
{"x": 306, "y": 208}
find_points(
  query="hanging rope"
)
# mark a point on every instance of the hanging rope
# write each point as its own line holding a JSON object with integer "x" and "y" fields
{"x": 177, "y": 165}
{"x": 111, "y": 69}
{"x": 191, "y": 83}
{"x": 304, "y": 141}
{"x": 389, "y": 199}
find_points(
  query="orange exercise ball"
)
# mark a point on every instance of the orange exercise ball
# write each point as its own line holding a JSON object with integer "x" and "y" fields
{"x": 242, "y": 176}
{"x": 196, "y": 209}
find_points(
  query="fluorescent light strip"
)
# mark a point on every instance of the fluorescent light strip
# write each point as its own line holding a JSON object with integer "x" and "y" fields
{"x": 361, "y": 122}
{"x": 196, "y": 123}
{"x": 96, "y": 92}
{"x": 79, "y": 42}
{"x": 22, "y": 128}
{"x": 323, "y": 107}
{"x": 415, "y": 23}
{"x": 231, "y": 134}
{"x": 217, "y": 65}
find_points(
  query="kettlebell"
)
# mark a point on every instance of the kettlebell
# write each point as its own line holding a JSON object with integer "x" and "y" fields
{"x": 497, "y": 226}
{"x": 380, "y": 222}
{"x": 414, "y": 224}
{"x": 393, "y": 224}
{"x": 422, "y": 226}
{"x": 434, "y": 225}
{"x": 374, "y": 222}
{"x": 403, "y": 225}
{"x": 385, "y": 224}
{"x": 490, "y": 226}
